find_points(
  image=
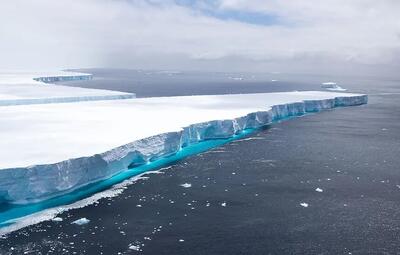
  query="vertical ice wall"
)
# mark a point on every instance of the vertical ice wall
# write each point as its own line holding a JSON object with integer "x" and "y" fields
{"x": 25, "y": 184}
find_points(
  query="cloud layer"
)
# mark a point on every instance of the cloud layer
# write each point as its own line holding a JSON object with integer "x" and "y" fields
{"x": 204, "y": 34}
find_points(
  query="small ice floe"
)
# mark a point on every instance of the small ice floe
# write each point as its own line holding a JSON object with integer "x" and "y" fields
{"x": 81, "y": 221}
{"x": 57, "y": 219}
{"x": 134, "y": 247}
{"x": 304, "y": 204}
{"x": 223, "y": 204}
{"x": 186, "y": 185}
{"x": 332, "y": 86}
{"x": 236, "y": 78}
{"x": 319, "y": 190}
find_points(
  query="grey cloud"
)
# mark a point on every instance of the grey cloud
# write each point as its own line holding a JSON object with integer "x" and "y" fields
{"x": 107, "y": 33}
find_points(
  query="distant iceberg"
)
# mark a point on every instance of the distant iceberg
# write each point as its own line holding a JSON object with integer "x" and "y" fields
{"x": 31, "y": 88}
{"x": 64, "y": 77}
{"x": 332, "y": 86}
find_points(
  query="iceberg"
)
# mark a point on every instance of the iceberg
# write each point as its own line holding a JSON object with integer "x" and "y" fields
{"x": 332, "y": 86}
{"x": 33, "y": 88}
{"x": 48, "y": 150}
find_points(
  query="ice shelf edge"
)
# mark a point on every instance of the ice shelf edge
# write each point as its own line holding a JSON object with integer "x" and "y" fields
{"x": 27, "y": 184}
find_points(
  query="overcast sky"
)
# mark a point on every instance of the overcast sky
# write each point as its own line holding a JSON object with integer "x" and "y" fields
{"x": 252, "y": 35}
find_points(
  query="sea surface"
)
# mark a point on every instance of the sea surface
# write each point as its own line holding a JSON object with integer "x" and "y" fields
{"x": 326, "y": 183}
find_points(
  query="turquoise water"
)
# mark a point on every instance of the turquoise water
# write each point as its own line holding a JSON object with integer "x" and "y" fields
{"x": 11, "y": 213}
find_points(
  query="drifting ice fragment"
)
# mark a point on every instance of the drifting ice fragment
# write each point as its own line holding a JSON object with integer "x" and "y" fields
{"x": 81, "y": 221}
{"x": 332, "y": 86}
{"x": 186, "y": 185}
{"x": 304, "y": 205}
{"x": 134, "y": 247}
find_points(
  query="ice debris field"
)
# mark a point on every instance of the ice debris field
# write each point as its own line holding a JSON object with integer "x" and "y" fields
{"x": 51, "y": 145}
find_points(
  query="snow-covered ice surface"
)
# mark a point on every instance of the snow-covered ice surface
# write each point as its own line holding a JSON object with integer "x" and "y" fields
{"x": 32, "y": 88}
{"x": 49, "y": 149}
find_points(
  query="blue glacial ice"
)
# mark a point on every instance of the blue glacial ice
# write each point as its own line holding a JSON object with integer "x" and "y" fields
{"x": 43, "y": 181}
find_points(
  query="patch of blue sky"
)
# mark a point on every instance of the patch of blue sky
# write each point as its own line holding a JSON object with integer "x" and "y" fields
{"x": 211, "y": 8}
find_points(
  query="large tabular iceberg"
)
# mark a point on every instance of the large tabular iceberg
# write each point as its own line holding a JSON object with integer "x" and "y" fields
{"x": 31, "y": 88}
{"x": 47, "y": 149}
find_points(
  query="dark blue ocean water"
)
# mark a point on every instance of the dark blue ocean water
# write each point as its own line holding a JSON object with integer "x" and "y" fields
{"x": 245, "y": 196}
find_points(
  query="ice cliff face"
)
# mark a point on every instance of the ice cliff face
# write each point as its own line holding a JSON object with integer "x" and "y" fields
{"x": 66, "y": 77}
{"x": 39, "y": 182}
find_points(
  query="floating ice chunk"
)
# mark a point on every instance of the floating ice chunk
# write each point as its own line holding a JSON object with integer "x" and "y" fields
{"x": 332, "y": 86}
{"x": 134, "y": 247}
{"x": 81, "y": 221}
{"x": 58, "y": 219}
{"x": 186, "y": 185}
{"x": 329, "y": 83}
{"x": 304, "y": 205}
{"x": 236, "y": 78}
{"x": 319, "y": 190}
